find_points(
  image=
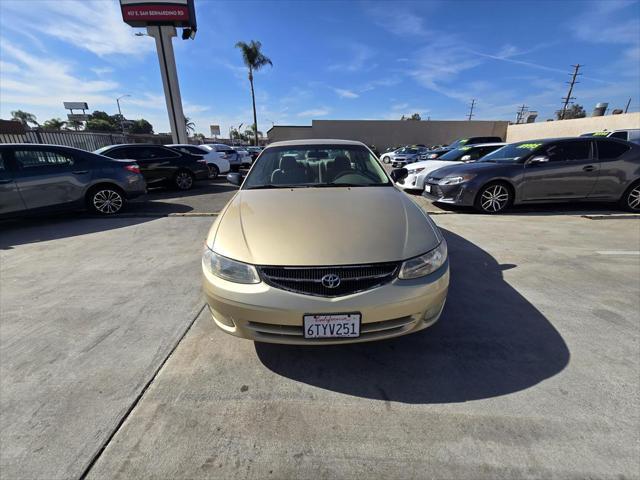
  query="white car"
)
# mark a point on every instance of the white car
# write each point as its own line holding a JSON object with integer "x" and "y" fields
{"x": 419, "y": 171}
{"x": 387, "y": 156}
{"x": 217, "y": 161}
{"x": 245, "y": 157}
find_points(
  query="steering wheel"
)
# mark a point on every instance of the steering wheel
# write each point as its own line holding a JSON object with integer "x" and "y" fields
{"x": 354, "y": 173}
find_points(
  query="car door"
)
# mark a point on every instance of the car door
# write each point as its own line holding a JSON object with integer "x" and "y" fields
{"x": 569, "y": 172}
{"x": 163, "y": 161}
{"x": 612, "y": 180}
{"x": 48, "y": 176}
{"x": 10, "y": 199}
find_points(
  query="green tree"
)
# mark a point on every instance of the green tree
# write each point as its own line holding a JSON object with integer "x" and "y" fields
{"x": 100, "y": 125}
{"x": 191, "y": 127}
{"x": 254, "y": 59}
{"x": 54, "y": 124}
{"x": 251, "y": 132}
{"x": 23, "y": 117}
{"x": 74, "y": 125}
{"x": 141, "y": 126}
{"x": 574, "y": 111}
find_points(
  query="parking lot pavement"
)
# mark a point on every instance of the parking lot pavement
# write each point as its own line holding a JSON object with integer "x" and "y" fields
{"x": 531, "y": 372}
{"x": 90, "y": 307}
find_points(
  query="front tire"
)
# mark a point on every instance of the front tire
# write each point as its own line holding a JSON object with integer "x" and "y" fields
{"x": 493, "y": 198}
{"x": 105, "y": 200}
{"x": 630, "y": 201}
{"x": 183, "y": 180}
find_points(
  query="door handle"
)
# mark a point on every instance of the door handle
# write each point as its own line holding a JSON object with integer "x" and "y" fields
{"x": 589, "y": 168}
{"x": 80, "y": 172}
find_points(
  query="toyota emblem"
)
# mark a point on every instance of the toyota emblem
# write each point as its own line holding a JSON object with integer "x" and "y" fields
{"x": 331, "y": 280}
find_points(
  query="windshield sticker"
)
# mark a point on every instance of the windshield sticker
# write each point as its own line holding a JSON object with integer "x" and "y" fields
{"x": 600, "y": 134}
{"x": 463, "y": 141}
{"x": 529, "y": 146}
{"x": 464, "y": 149}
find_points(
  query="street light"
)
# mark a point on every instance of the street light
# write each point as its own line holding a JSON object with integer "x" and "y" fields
{"x": 120, "y": 111}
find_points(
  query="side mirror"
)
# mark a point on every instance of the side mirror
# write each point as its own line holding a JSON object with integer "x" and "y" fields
{"x": 235, "y": 178}
{"x": 399, "y": 174}
{"x": 465, "y": 158}
{"x": 539, "y": 159}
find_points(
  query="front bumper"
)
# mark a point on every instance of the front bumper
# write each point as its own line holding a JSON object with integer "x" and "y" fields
{"x": 263, "y": 313}
{"x": 413, "y": 182}
{"x": 461, "y": 194}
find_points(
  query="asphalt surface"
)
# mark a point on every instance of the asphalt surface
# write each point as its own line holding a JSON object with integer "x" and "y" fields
{"x": 110, "y": 367}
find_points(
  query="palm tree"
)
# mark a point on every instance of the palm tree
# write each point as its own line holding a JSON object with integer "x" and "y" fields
{"x": 188, "y": 123}
{"x": 54, "y": 124}
{"x": 251, "y": 132}
{"x": 24, "y": 117}
{"x": 254, "y": 59}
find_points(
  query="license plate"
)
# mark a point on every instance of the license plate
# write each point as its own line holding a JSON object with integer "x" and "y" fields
{"x": 340, "y": 325}
{"x": 427, "y": 188}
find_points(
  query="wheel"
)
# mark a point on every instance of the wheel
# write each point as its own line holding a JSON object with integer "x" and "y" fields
{"x": 385, "y": 159}
{"x": 493, "y": 198}
{"x": 214, "y": 171}
{"x": 105, "y": 200}
{"x": 631, "y": 199}
{"x": 183, "y": 180}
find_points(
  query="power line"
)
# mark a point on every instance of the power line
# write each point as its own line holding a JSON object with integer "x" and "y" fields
{"x": 568, "y": 99}
{"x": 473, "y": 104}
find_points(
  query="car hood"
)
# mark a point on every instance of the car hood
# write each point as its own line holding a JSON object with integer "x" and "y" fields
{"x": 322, "y": 226}
{"x": 473, "y": 167}
{"x": 431, "y": 165}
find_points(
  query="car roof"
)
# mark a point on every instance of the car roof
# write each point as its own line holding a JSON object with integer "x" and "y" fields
{"x": 494, "y": 144}
{"x": 315, "y": 141}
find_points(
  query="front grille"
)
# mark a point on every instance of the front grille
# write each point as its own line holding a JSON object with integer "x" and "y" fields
{"x": 308, "y": 280}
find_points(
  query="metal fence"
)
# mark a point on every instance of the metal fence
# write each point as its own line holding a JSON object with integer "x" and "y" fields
{"x": 85, "y": 140}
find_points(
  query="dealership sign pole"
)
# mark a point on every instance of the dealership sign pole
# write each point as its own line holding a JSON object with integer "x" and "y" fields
{"x": 161, "y": 17}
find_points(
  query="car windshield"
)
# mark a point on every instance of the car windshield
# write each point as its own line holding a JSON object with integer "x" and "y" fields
{"x": 102, "y": 149}
{"x": 304, "y": 166}
{"x": 515, "y": 152}
{"x": 409, "y": 151}
{"x": 458, "y": 143}
{"x": 456, "y": 155}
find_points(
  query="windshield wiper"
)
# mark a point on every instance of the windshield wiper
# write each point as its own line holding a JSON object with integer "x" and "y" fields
{"x": 271, "y": 185}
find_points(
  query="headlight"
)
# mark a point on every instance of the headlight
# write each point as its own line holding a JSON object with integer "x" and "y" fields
{"x": 414, "y": 171}
{"x": 455, "y": 179}
{"x": 424, "y": 264}
{"x": 228, "y": 269}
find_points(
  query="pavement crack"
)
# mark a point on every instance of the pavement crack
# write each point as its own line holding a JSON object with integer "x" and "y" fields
{"x": 138, "y": 398}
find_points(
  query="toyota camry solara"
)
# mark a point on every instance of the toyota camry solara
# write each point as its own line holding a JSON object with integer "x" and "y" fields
{"x": 318, "y": 246}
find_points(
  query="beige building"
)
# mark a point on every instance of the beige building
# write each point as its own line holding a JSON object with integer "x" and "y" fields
{"x": 388, "y": 133}
{"x": 572, "y": 128}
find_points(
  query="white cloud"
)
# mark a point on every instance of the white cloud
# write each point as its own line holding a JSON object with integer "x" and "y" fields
{"x": 93, "y": 25}
{"x": 317, "y": 112}
{"x": 613, "y": 21}
{"x": 344, "y": 93}
{"x": 359, "y": 61}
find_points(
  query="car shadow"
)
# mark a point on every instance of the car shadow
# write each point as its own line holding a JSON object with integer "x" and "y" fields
{"x": 203, "y": 187}
{"x": 490, "y": 341}
{"x": 53, "y": 226}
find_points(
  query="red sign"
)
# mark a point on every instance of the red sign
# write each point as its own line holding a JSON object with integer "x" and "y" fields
{"x": 155, "y": 13}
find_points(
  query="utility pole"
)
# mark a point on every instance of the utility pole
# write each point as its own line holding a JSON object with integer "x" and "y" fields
{"x": 568, "y": 99}
{"x": 473, "y": 104}
{"x": 520, "y": 113}
{"x": 626, "y": 109}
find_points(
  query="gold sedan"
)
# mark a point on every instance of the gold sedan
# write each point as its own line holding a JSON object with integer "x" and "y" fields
{"x": 319, "y": 247}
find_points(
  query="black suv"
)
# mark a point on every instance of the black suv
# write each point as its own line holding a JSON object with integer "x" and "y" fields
{"x": 161, "y": 165}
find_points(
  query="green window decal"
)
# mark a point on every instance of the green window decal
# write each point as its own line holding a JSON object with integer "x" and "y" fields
{"x": 529, "y": 146}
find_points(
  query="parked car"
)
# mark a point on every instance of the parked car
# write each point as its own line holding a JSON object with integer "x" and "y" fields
{"x": 245, "y": 157}
{"x": 40, "y": 178}
{"x": 408, "y": 155}
{"x": 254, "y": 152}
{"x": 161, "y": 165}
{"x": 226, "y": 152}
{"x": 417, "y": 172}
{"x": 543, "y": 171}
{"x": 629, "y": 134}
{"x": 461, "y": 142}
{"x": 371, "y": 264}
{"x": 388, "y": 155}
{"x": 217, "y": 162}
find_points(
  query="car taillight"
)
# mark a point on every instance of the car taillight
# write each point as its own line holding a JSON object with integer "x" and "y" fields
{"x": 132, "y": 168}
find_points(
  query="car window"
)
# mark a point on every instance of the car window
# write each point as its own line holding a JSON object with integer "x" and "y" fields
{"x": 622, "y": 135}
{"x": 610, "y": 150}
{"x": 567, "y": 151}
{"x": 160, "y": 152}
{"x": 2, "y": 167}
{"x": 117, "y": 153}
{"x": 35, "y": 158}
{"x": 316, "y": 166}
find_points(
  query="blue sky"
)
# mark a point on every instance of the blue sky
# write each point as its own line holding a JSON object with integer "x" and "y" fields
{"x": 331, "y": 60}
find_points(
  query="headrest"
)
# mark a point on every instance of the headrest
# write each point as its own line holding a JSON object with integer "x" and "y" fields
{"x": 288, "y": 162}
{"x": 342, "y": 162}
